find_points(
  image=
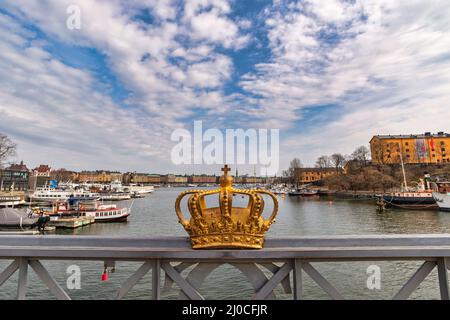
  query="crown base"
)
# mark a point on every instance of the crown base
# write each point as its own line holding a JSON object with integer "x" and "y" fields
{"x": 227, "y": 241}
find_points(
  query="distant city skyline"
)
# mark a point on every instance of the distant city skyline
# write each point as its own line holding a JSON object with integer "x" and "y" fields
{"x": 107, "y": 90}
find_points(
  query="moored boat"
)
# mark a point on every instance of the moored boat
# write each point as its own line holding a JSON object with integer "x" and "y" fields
{"x": 410, "y": 200}
{"x": 115, "y": 196}
{"x": 10, "y": 201}
{"x": 303, "y": 193}
{"x": 11, "y": 218}
{"x": 53, "y": 194}
{"x": 442, "y": 200}
{"x": 101, "y": 212}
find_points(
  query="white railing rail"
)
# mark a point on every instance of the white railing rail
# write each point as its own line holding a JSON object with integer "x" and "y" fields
{"x": 285, "y": 259}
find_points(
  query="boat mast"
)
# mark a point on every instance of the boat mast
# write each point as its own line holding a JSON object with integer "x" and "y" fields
{"x": 403, "y": 170}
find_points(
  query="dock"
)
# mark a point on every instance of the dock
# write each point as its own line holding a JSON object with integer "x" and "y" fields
{"x": 20, "y": 232}
{"x": 71, "y": 222}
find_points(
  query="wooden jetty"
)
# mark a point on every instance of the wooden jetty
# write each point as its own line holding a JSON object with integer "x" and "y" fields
{"x": 282, "y": 262}
{"x": 21, "y": 232}
{"x": 71, "y": 222}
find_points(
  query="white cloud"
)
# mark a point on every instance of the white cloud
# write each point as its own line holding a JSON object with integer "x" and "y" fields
{"x": 384, "y": 64}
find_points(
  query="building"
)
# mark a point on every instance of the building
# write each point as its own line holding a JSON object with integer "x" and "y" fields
{"x": 14, "y": 178}
{"x": 309, "y": 175}
{"x": 251, "y": 180}
{"x": 99, "y": 176}
{"x": 141, "y": 178}
{"x": 42, "y": 171}
{"x": 200, "y": 179}
{"x": 168, "y": 179}
{"x": 181, "y": 179}
{"x": 39, "y": 177}
{"x": 424, "y": 148}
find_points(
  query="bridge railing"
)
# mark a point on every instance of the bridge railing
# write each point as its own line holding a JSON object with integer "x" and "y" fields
{"x": 283, "y": 261}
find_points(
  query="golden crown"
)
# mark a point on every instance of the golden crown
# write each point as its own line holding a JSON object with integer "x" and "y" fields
{"x": 226, "y": 226}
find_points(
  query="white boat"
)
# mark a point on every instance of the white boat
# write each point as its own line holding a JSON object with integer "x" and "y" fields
{"x": 110, "y": 213}
{"x": 141, "y": 189}
{"x": 52, "y": 194}
{"x": 10, "y": 201}
{"x": 101, "y": 212}
{"x": 119, "y": 196}
{"x": 442, "y": 200}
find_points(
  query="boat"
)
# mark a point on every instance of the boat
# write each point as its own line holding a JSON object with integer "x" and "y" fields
{"x": 101, "y": 212}
{"x": 53, "y": 194}
{"x": 303, "y": 193}
{"x": 11, "y": 218}
{"x": 420, "y": 198}
{"x": 410, "y": 200}
{"x": 140, "y": 189}
{"x": 111, "y": 213}
{"x": 442, "y": 200}
{"x": 115, "y": 196}
{"x": 10, "y": 201}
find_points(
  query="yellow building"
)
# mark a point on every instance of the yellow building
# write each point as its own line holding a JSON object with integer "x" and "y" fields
{"x": 415, "y": 149}
{"x": 309, "y": 175}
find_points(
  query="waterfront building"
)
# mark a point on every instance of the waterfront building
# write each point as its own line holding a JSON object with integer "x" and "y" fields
{"x": 309, "y": 175}
{"x": 198, "y": 179}
{"x": 181, "y": 179}
{"x": 141, "y": 178}
{"x": 39, "y": 177}
{"x": 14, "y": 178}
{"x": 424, "y": 148}
{"x": 168, "y": 179}
{"x": 98, "y": 176}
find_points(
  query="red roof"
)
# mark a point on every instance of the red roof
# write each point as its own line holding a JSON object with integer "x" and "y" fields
{"x": 18, "y": 167}
{"x": 42, "y": 168}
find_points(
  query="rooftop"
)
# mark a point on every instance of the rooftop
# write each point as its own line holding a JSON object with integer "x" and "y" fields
{"x": 414, "y": 136}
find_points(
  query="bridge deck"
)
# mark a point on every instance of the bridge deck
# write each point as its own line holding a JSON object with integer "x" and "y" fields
{"x": 281, "y": 257}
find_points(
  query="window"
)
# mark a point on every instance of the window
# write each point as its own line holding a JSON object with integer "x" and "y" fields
{"x": 434, "y": 156}
{"x": 407, "y": 150}
{"x": 406, "y": 143}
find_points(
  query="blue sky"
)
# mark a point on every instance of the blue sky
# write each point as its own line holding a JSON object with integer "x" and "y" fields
{"x": 328, "y": 74}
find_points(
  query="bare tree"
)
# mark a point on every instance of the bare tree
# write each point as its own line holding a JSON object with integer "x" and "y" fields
{"x": 361, "y": 155}
{"x": 294, "y": 165}
{"x": 7, "y": 149}
{"x": 323, "y": 162}
{"x": 338, "y": 161}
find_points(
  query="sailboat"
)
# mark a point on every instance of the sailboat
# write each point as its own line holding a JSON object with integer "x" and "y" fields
{"x": 419, "y": 199}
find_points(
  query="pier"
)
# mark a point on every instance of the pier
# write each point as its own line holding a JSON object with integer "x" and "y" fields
{"x": 283, "y": 261}
{"x": 71, "y": 222}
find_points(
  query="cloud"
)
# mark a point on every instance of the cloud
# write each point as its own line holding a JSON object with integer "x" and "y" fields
{"x": 383, "y": 64}
{"x": 378, "y": 67}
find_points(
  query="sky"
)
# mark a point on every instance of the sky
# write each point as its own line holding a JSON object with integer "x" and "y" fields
{"x": 108, "y": 95}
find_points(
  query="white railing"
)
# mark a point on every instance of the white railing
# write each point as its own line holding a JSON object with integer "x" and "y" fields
{"x": 284, "y": 260}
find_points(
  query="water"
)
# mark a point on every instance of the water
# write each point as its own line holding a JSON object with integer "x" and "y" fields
{"x": 155, "y": 216}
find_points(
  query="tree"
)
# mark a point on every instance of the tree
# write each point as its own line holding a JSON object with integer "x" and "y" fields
{"x": 361, "y": 155}
{"x": 338, "y": 161}
{"x": 7, "y": 149}
{"x": 323, "y": 162}
{"x": 294, "y": 165}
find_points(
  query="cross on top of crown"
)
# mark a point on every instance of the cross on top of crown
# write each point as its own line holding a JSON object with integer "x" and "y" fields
{"x": 225, "y": 170}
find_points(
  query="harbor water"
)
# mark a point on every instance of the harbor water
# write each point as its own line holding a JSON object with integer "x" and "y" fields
{"x": 154, "y": 216}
